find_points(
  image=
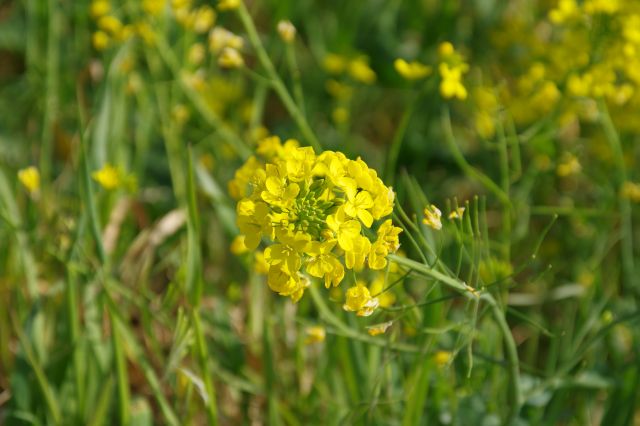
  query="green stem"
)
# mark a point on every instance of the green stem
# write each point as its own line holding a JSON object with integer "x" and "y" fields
{"x": 624, "y": 205}
{"x": 41, "y": 378}
{"x": 471, "y": 171}
{"x": 276, "y": 81}
{"x": 226, "y": 132}
{"x": 121, "y": 370}
{"x": 203, "y": 358}
{"x": 498, "y": 315}
{"x": 396, "y": 143}
{"x": 294, "y": 69}
{"x": 51, "y": 89}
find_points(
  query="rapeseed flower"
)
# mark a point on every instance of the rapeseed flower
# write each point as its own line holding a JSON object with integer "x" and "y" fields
{"x": 315, "y": 334}
{"x": 228, "y": 4}
{"x": 375, "y": 330}
{"x": 359, "y": 300}
{"x": 108, "y": 177}
{"x": 320, "y": 215}
{"x": 287, "y": 31}
{"x": 432, "y": 217}
{"x": 230, "y": 58}
{"x": 411, "y": 70}
{"x": 30, "y": 179}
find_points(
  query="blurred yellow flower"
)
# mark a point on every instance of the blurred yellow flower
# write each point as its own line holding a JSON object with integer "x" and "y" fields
{"x": 451, "y": 85}
{"x": 359, "y": 69}
{"x": 203, "y": 19}
{"x": 334, "y": 64}
{"x": 442, "y": 358}
{"x": 569, "y": 165}
{"x": 315, "y": 334}
{"x": 237, "y": 245}
{"x": 196, "y": 54}
{"x": 287, "y": 31}
{"x": 432, "y": 217}
{"x": 445, "y": 49}
{"x": 108, "y": 177}
{"x": 153, "y": 7}
{"x": 411, "y": 70}
{"x": 631, "y": 190}
{"x": 219, "y": 38}
{"x": 377, "y": 329}
{"x": 100, "y": 40}
{"x": 259, "y": 264}
{"x": 99, "y": 8}
{"x": 457, "y": 213}
{"x": 30, "y": 179}
{"x": 228, "y": 4}
{"x": 230, "y": 58}
{"x": 110, "y": 24}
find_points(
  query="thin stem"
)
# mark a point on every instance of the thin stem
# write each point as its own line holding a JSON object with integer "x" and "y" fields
{"x": 471, "y": 171}
{"x": 203, "y": 357}
{"x": 226, "y": 132}
{"x": 624, "y": 206}
{"x": 294, "y": 69}
{"x": 276, "y": 81}
{"x": 396, "y": 143}
{"x": 499, "y": 317}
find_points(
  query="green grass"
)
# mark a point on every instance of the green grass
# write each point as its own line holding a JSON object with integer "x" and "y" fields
{"x": 126, "y": 306}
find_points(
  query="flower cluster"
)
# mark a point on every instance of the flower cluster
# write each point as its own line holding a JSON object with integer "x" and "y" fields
{"x": 319, "y": 213}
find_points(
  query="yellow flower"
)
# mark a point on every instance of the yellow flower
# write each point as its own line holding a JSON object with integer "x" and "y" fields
{"x": 569, "y": 165}
{"x": 432, "y": 217}
{"x": 110, "y": 24}
{"x": 442, "y": 358}
{"x": 323, "y": 263}
{"x": 359, "y": 300}
{"x": 566, "y": 10}
{"x": 287, "y": 284}
{"x": 357, "y": 206}
{"x": 237, "y": 245}
{"x": 287, "y": 31}
{"x": 99, "y": 8}
{"x": 411, "y": 70}
{"x": 334, "y": 64}
{"x": 259, "y": 264}
{"x": 315, "y": 334}
{"x": 359, "y": 69}
{"x": 375, "y": 330}
{"x": 388, "y": 235}
{"x": 340, "y": 115}
{"x": 355, "y": 256}
{"x": 230, "y": 58}
{"x": 457, "y": 213}
{"x": 108, "y": 177}
{"x": 196, "y": 54}
{"x": 153, "y": 7}
{"x": 445, "y": 49}
{"x": 288, "y": 253}
{"x": 100, "y": 40}
{"x": 631, "y": 190}
{"x": 228, "y": 4}
{"x": 346, "y": 230}
{"x": 30, "y": 179}
{"x": 451, "y": 85}
{"x": 203, "y": 19}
